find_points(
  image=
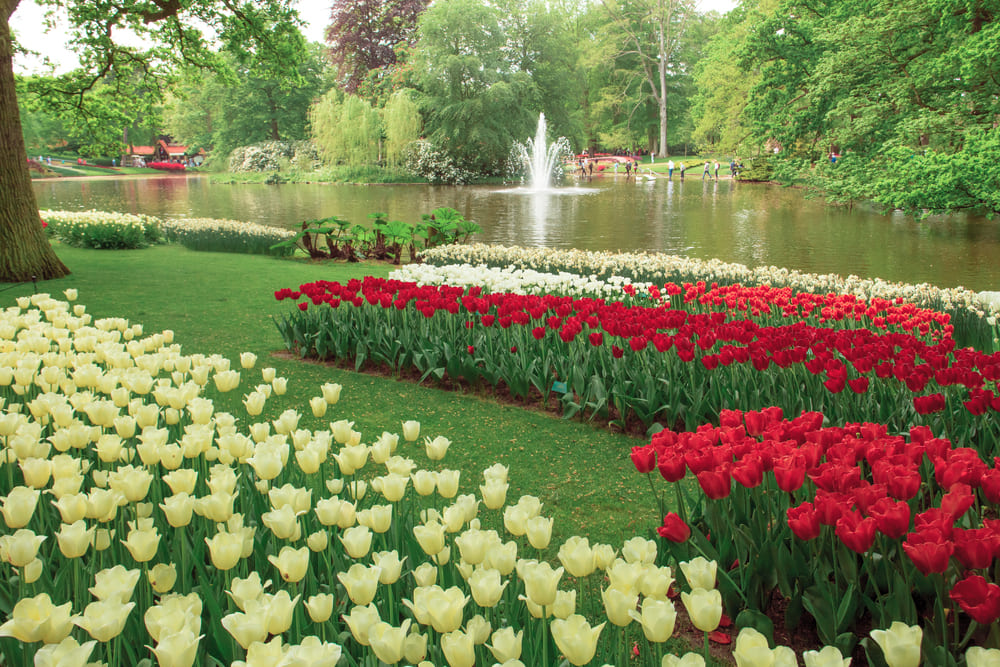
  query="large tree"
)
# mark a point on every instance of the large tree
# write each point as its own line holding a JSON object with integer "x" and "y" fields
{"x": 651, "y": 34}
{"x": 363, "y": 35}
{"x": 172, "y": 33}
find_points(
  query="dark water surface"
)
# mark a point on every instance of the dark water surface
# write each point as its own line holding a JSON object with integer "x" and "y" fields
{"x": 736, "y": 222}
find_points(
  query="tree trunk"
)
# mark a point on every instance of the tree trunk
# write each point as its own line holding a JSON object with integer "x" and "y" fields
{"x": 25, "y": 251}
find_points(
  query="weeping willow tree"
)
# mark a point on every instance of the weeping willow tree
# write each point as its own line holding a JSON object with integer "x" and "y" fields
{"x": 346, "y": 129}
{"x": 401, "y": 119}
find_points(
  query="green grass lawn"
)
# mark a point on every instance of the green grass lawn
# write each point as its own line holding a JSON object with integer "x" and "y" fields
{"x": 223, "y": 303}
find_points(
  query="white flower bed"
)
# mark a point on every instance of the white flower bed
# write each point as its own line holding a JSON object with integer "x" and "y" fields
{"x": 515, "y": 280}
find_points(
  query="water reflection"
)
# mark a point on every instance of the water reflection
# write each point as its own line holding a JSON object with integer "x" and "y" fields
{"x": 736, "y": 222}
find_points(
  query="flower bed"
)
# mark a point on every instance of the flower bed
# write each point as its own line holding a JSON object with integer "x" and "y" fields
{"x": 656, "y": 363}
{"x": 102, "y": 230}
{"x": 227, "y": 236}
{"x": 844, "y": 522}
{"x": 177, "y": 533}
{"x": 974, "y": 317}
{"x": 167, "y": 166}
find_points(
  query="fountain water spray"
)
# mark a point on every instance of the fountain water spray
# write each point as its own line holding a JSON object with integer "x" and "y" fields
{"x": 540, "y": 161}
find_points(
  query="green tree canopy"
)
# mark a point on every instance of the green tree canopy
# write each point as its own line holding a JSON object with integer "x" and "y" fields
{"x": 172, "y": 30}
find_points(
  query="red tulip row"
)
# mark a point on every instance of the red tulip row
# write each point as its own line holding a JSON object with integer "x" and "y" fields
{"x": 166, "y": 166}
{"x": 918, "y": 497}
{"x": 784, "y": 302}
{"x": 844, "y": 358}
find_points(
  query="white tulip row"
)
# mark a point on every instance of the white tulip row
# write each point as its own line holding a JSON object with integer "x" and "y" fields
{"x": 516, "y": 280}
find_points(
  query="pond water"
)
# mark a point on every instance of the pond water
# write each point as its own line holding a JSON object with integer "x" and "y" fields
{"x": 737, "y": 222}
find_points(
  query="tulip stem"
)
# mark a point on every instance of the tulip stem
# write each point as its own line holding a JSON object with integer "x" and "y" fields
{"x": 706, "y": 648}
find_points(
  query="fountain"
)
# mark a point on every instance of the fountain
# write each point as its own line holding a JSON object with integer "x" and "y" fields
{"x": 538, "y": 160}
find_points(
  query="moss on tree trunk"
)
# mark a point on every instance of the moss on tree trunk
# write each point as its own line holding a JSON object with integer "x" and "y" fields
{"x": 25, "y": 251}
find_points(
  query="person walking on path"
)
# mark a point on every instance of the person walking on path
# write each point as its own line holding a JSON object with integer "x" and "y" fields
{"x": 716, "y": 170}
{"x": 670, "y": 170}
{"x": 682, "y": 168}
{"x": 732, "y": 168}
{"x": 707, "y": 173}
{"x": 628, "y": 169}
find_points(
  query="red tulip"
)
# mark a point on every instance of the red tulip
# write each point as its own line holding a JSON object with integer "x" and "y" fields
{"x": 644, "y": 458}
{"x": 857, "y": 533}
{"x": 929, "y": 550}
{"x": 892, "y": 517}
{"x": 978, "y": 598}
{"x": 804, "y": 521}
{"x": 790, "y": 472}
{"x": 674, "y": 528}
{"x": 715, "y": 483}
{"x": 975, "y": 548}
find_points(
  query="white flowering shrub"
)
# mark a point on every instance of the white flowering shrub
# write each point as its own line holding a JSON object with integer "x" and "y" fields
{"x": 428, "y": 161}
{"x": 274, "y": 156}
{"x": 102, "y": 229}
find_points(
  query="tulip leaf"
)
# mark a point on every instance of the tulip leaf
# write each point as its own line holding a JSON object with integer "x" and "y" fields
{"x": 873, "y": 652}
{"x": 846, "y": 641}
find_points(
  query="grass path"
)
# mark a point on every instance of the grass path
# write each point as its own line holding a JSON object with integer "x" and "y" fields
{"x": 223, "y": 303}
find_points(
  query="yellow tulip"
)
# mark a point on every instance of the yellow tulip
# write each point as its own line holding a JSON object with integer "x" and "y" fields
{"x": 618, "y": 603}
{"x": 704, "y": 607}
{"x": 75, "y": 538}
{"x": 577, "y": 557}
{"x": 142, "y": 544}
{"x": 393, "y": 487}
{"x": 479, "y": 629}
{"x": 246, "y": 628}
{"x": 639, "y": 550}
{"x": 388, "y": 641}
{"x": 20, "y": 548}
{"x": 178, "y": 509}
{"x": 436, "y": 448}
{"x": 411, "y": 430}
{"x": 357, "y": 541}
{"x": 447, "y": 483}
{"x": 445, "y": 607}
{"x": 425, "y": 575}
{"x": 830, "y": 656}
{"x": 360, "y": 621}
{"x": 540, "y": 582}
{"x": 459, "y": 649}
{"x": 37, "y": 472}
{"x": 318, "y": 541}
{"x": 104, "y": 619}
{"x": 565, "y": 604}
{"x": 37, "y": 619}
{"x": 331, "y": 392}
{"x": 280, "y": 607}
{"x": 181, "y": 481}
{"x": 291, "y": 563}
{"x": 900, "y": 644}
{"x": 390, "y": 564}
{"x": 486, "y": 587}
{"x": 494, "y": 493}
{"x": 576, "y": 639}
{"x": 320, "y": 607}
{"x": 361, "y": 583}
{"x": 506, "y": 644}
{"x": 226, "y": 380}
{"x": 283, "y": 522}
{"x": 626, "y": 576}
{"x": 539, "y": 531}
{"x": 377, "y": 517}
{"x": 430, "y": 537}
{"x": 225, "y": 550}
{"x": 177, "y": 650}
{"x": 67, "y": 653}
{"x": 311, "y": 651}
{"x": 415, "y": 647}
{"x": 700, "y": 573}
{"x": 280, "y": 385}
{"x": 502, "y": 557}
{"x": 19, "y": 506}
{"x": 247, "y": 360}
{"x": 245, "y": 590}
{"x": 687, "y": 660}
{"x": 656, "y": 581}
{"x": 115, "y": 583}
{"x": 977, "y": 656}
{"x": 162, "y": 577}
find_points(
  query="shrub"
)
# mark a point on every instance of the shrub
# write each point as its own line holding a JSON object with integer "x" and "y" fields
{"x": 275, "y": 156}
{"x": 425, "y": 159}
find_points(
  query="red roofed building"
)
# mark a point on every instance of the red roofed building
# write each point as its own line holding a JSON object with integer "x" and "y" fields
{"x": 161, "y": 151}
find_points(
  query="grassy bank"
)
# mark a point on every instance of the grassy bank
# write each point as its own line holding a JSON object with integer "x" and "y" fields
{"x": 223, "y": 303}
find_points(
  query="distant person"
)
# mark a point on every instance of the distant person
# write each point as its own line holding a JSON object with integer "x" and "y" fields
{"x": 708, "y": 171}
{"x": 590, "y": 169}
{"x": 732, "y": 168}
{"x": 682, "y": 168}
{"x": 670, "y": 170}
{"x": 716, "y": 170}
{"x": 628, "y": 169}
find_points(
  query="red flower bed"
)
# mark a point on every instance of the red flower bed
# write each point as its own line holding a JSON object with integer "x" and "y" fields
{"x": 830, "y": 497}
{"x": 166, "y": 166}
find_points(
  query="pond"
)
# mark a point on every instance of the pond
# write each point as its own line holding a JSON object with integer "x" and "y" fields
{"x": 751, "y": 224}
